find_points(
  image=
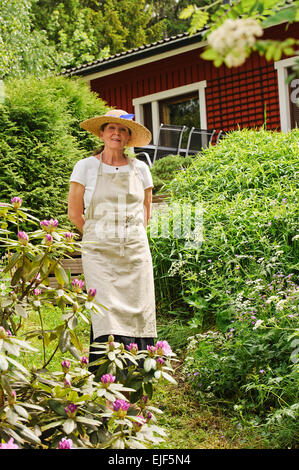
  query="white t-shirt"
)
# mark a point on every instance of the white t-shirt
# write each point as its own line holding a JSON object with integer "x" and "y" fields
{"x": 86, "y": 170}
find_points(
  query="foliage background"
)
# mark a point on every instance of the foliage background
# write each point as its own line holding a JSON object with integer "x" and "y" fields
{"x": 41, "y": 140}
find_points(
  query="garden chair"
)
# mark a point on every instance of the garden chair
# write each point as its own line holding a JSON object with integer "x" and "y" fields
{"x": 198, "y": 139}
{"x": 221, "y": 135}
{"x": 144, "y": 156}
{"x": 169, "y": 141}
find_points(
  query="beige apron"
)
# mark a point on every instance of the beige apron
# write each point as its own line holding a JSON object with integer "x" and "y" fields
{"x": 116, "y": 256}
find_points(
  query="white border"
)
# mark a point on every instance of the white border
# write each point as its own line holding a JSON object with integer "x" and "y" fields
{"x": 162, "y": 95}
{"x": 283, "y": 92}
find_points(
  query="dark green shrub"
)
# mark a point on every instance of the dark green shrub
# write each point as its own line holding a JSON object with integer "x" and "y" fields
{"x": 41, "y": 140}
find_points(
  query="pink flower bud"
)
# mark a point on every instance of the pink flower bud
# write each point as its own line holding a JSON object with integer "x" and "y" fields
{"x": 49, "y": 225}
{"x": 133, "y": 348}
{"x": 121, "y": 407}
{"x": 107, "y": 379}
{"x": 84, "y": 360}
{"x": 16, "y": 202}
{"x": 65, "y": 365}
{"x": 77, "y": 285}
{"x": 71, "y": 410}
{"x": 69, "y": 236}
{"x": 23, "y": 238}
{"x": 91, "y": 294}
{"x": 48, "y": 239}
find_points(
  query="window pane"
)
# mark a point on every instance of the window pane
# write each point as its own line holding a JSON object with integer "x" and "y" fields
{"x": 147, "y": 117}
{"x": 181, "y": 110}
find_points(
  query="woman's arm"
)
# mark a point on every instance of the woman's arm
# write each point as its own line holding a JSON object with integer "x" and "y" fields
{"x": 76, "y": 205}
{"x": 147, "y": 205}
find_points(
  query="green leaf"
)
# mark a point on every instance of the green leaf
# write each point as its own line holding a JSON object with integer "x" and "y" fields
{"x": 64, "y": 341}
{"x": 17, "y": 276}
{"x": 287, "y": 14}
{"x": 20, "y": 310}
{"x": 57, "y": 406}
{"x": 187, "y": 12}
{"x": 52, "y": 425}
{"x": 169, "y": 378}
{"x": 60, "y": 275}
{"x": 69, "y": 425}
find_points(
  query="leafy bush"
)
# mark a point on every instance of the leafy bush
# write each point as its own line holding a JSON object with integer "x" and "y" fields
{"x": 165, "y": 169}
{"x": 41, "y": 140}
{"x": 237, "y": 289}
{"x": 247, "y": 188}
{"x": 40, "y": 407}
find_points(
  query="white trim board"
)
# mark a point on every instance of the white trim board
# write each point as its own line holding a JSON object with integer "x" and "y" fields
{"x": 283, "y": 92}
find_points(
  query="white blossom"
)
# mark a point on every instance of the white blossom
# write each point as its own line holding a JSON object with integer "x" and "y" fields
{"x": 232, "y": 39}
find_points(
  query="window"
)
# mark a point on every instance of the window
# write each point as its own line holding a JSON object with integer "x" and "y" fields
{"x": 184, "y": 105}
{"x": 181, "y": 110}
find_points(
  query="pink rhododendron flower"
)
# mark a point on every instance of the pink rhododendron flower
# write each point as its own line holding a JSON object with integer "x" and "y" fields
{"x": 77, "y": 285}
{"x": 163, "y": 348}
{"x": 69, "y": 236}
{"x": 107, "y": 379}
{"x": 151, "y": 350}
{"x": 121, "y": 407}
{"x": 48, "y": 239}
{"x": 65, "y": 443}
{"x": 49, "y": 225}
{"x": 160, "y": 362}
{"x": 9, "y": 445}
{"x": 84, "y": 360}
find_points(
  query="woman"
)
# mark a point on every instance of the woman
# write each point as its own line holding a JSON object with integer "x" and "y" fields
{"x": 109, "y": 201}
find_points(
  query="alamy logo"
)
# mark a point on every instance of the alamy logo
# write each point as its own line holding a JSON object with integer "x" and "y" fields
{"x": 295, "y": 93}
{"x": 295, "y": 352}
{"x": 176, "y": 220}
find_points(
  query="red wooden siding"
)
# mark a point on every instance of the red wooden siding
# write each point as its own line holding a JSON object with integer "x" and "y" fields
{"x": 245, "y": 96}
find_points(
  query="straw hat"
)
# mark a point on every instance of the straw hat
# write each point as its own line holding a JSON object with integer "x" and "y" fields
{"x": 140, "y": 136}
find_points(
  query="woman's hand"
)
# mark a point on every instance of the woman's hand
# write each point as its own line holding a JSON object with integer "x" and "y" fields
{"x": 76, "y": 205}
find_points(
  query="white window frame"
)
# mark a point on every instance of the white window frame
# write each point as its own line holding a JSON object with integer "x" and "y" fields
{"x": 154, "y": 99}
{"x": 283, "y": 92}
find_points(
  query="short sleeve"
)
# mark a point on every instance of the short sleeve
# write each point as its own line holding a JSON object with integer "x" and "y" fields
{"x": 145, "y": 175}
{"x": 79, "y": 173}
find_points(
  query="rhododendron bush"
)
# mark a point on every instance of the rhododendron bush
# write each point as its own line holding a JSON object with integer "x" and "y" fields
{"x": 71, "y": 407}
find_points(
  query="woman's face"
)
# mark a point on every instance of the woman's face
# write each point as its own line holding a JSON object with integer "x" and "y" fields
{"x": 115, "y": 136}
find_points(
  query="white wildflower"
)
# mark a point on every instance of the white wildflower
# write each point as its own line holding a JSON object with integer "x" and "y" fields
{"x": 258, "y": 323}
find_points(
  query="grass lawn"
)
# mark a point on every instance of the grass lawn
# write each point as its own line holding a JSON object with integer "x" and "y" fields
{"x": 193, "y": 425}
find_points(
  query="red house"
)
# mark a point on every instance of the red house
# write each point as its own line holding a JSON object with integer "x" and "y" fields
{"x": 168, "y": 82}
